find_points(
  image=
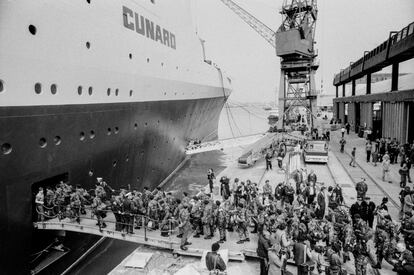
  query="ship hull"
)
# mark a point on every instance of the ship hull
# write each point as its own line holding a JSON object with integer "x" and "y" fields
{"x": 130, "y": 145}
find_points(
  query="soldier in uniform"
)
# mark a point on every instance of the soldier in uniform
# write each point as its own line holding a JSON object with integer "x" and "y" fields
{"x": 117, "y": 210}
{"x": 196, "y": 213}
{"x": 40, "y": 201}
{"x": 405, "y": 263}
{"x": 76, "y": 204}
{"x": 267, "y": 189}
{"x": 312, "y": 177}
{"x": 207, "y": 219}
{"x": 185, "y": 225}
{"x": 381, "y": 237}
{"x": 222, "y": 223}
{"x": 361, "y": 188}
{"x": 153, "y": 211}
{"x": 241, "y": 219}
{"x": 99, "y": 210}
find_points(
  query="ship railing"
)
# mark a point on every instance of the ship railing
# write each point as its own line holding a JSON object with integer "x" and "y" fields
{"x": 83, "y": 219}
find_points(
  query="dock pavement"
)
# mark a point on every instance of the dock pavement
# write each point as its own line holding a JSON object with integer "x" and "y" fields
{"x": 377, "y": 188}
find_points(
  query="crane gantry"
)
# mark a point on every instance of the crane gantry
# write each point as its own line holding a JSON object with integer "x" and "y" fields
{"x": 294, "y": 44}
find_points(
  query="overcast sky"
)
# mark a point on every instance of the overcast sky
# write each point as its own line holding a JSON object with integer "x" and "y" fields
{"x": 345, "y": 28}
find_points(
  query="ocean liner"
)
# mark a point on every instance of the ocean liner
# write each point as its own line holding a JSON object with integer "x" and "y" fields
{"x": 92, "y": 88}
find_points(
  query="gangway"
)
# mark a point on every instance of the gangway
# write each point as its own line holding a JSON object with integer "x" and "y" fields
{"x": 145, "y": 236}
{"x": 222, "y": 144}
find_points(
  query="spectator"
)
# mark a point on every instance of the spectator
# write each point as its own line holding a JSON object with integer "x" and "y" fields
{"x": 214, "y": 261}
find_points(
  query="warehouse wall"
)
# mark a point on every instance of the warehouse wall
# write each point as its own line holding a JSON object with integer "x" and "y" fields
{"x": 394, "y": 120}
{"x": 366, "y": 114}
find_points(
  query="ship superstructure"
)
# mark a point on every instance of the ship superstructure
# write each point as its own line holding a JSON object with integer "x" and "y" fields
{"x": 88, "y": 88}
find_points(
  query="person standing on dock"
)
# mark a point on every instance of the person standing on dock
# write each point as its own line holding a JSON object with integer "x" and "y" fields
{"x": 348, "y": 127}
{"x": 352, "y": 163}
{"x": 343, "y": 131}
{"x": 263, "y": 246}
{"x": 241, "y": 219}
{"x": 214, "y": 262}
{"x": 385, "y": 166}
{"x": 368, "y": 149}
{"x": 361, "y": 188}
{"x": 185, "y": 226}
{"x": 407, "y": 161}
{"x": 268, "y": 159}
{"x": 342, "y": 142}
{"x": 370, "y": 211}
{"x": 211, "y": 177}
{"x": 207, "y": 219}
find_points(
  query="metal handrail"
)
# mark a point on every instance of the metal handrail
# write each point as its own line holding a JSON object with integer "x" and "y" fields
{"x": 143, "y": 218}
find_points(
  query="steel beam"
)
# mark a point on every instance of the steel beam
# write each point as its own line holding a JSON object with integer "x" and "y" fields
{"x": 394, "y": 77}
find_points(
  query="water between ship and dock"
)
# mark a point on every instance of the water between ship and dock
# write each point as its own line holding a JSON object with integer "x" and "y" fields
{"x": 190, "y": 178}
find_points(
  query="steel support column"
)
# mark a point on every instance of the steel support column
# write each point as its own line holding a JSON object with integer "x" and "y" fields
{"x": 353, "y": 87}
{"x": 394, "y": 77}
{"x": 343, "y": 90}
{"x": 336, "y": 91}
{"x": 369, "y": 84}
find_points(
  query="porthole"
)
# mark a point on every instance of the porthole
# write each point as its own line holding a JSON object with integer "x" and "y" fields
{"x": 38, "y": 88}
{"x": 108, "y": 91}
{"x": 90, "y": 173}
{"x": 53, "y": 89}
{"x": 6, "y": 148}
{"x": 114, "y": 163}
{"x": 92, "y": 134}
{"x": 165, "y": 93}
{"x": 162, "y": 64}
{"x": 146, "y": 124}
{"x": 57, "y": 140}
{"x": 131, "y": 92}
{"x": 82, "y": 136}
{"x": 88, "y": 1}
{"x": 148, "y": 60}
{"x": 130, "y": 56}
{"x": 136, "y": 126}
{"x": 127, "y": 158}
{"x": 90, "y": 90}
{"x": 109, "y": 132}
{"x": 138, "y": 179}
{"x": 42, "y": 142}
{"x": 116, "y": 130}
{"x": 176, "y": 67}
{"x": 79, "y": 90}
{"x": 32, "y": 29}
{"x": 88, "y": 45}
{"x": 1, "y": 86}
{"x": 116, "y": 92}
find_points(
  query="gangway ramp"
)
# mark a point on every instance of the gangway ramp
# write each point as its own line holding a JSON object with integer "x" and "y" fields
{"x": 222, "y": 144}
{"x": 149, "y": 237}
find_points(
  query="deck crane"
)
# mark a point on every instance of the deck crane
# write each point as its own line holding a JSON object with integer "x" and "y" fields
{"x": 294, "y": 43}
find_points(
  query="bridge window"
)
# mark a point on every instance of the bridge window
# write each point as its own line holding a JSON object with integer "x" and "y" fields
{"x": 411, "y": 29}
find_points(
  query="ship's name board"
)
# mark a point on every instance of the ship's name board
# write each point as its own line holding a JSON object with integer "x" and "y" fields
{"x": 147, "y": 28}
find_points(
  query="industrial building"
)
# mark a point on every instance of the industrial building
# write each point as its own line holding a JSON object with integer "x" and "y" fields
{"x": 386, "y": 107}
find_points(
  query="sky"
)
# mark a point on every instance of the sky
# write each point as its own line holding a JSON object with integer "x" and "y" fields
{"x": 344, "y": 30}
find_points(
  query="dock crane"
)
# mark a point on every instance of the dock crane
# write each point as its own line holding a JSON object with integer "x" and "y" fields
{"x": 294, "y": 43}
